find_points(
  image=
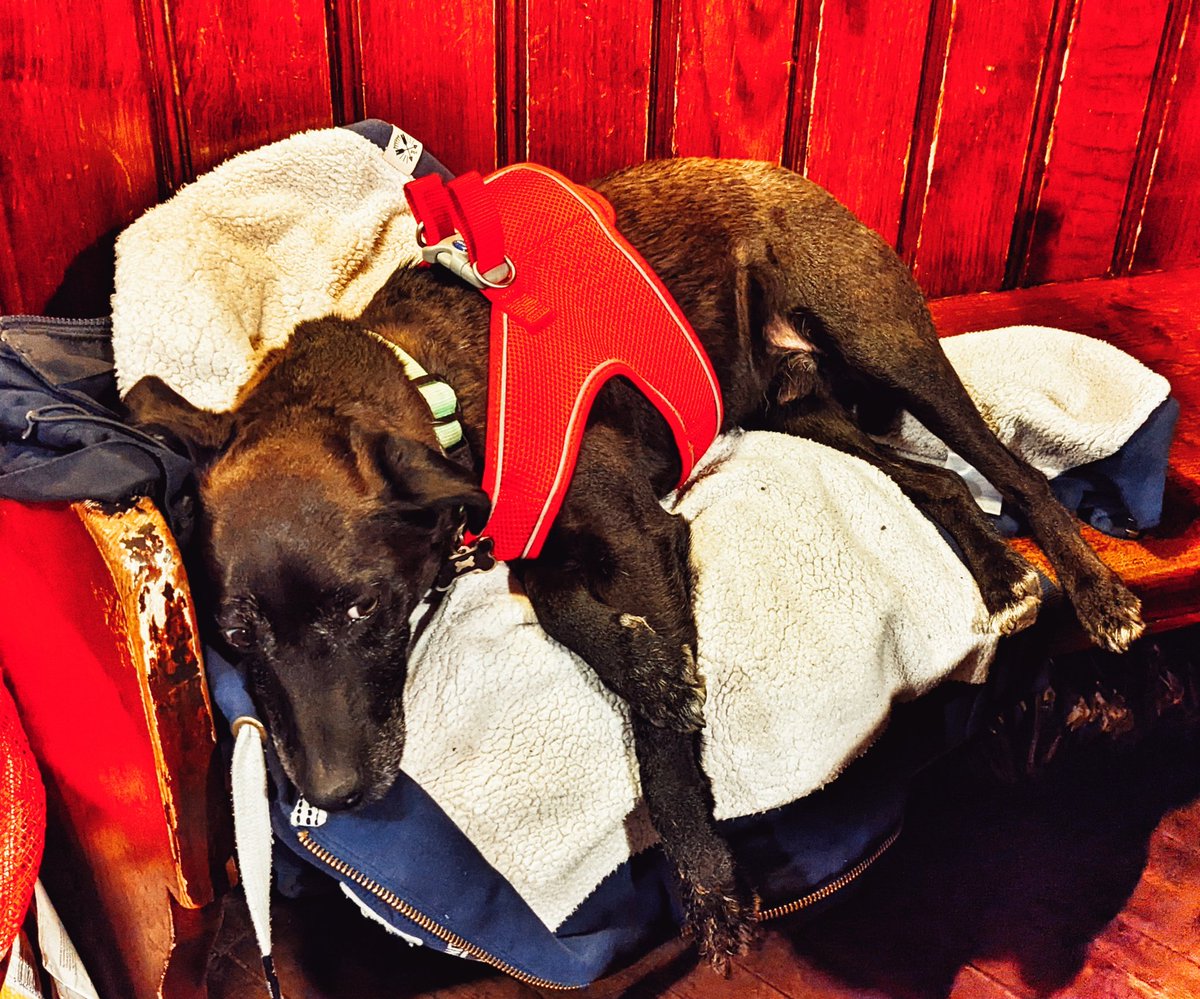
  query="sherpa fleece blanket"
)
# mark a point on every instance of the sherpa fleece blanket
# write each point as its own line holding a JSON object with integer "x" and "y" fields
{"x": 210, "y": 281}
{"x": 822, "y": 594}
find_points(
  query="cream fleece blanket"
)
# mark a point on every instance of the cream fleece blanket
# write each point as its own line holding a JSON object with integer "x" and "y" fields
{"x": 822, "y": 596}
{"x": 1059, "y": 399}
{"x": 208, "y": 282}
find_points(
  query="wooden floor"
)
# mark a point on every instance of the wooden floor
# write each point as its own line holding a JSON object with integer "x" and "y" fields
{"x": 1084, "y": 881}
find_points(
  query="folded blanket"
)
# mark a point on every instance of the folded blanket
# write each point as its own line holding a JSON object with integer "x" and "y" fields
{"x": 822, "y": 594}
{"x": 1059, "y": 399}
{"x": 211, "y": 280}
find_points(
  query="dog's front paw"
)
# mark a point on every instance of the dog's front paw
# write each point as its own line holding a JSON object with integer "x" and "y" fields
{"x": 723, "y": 922}
{"x": 1110, "y": 614}
{"x": 664, "y": 684}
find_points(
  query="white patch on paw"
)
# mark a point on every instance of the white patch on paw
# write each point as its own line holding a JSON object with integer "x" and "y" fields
{"x": 1029, "y": 586}
{"x": 1124, "y": 636}
{"x": 692, "y": 673}
{"x": 1017, "y": 616}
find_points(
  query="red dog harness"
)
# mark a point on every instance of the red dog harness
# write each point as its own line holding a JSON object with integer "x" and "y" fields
{"x": 574, "y": 304}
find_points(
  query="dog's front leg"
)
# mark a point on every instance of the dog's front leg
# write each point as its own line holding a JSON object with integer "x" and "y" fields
{"x": 636, "y": 654}
{"x": 628, "y": 655}
{"x": 613, "y": 584}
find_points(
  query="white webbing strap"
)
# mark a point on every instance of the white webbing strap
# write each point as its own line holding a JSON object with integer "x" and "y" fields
{"x": 252, "y": 834}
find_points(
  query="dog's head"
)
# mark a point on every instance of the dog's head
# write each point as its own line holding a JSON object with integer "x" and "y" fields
{"x": 322, "y": 531}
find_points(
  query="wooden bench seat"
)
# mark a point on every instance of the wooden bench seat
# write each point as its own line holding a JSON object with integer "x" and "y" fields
{"x": 1156, "y": 319}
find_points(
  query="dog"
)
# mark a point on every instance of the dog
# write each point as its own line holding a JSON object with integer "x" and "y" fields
{"x": 328, "y": 509}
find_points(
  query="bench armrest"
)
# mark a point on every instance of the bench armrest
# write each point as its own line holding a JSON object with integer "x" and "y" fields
{"x": 98, "y": 643}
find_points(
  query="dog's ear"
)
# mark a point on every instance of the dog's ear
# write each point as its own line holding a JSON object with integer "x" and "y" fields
{"x": 156, "y": 407}
{"x": 424, "y": 480}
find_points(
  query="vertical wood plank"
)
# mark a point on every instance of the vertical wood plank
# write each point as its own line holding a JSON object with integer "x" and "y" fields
{"x": 864, "y": 98}
{"x": 1063, "y": 23}
{"x": 343, "y": 23}
{"x": 1150, "y": 140}
{"x": 249, "y": 73}
{"x": 926, "y": 122}
{"x": 11, "y": 299}
{"x": 173, "y": 153}
{"x": 977, "y": 154}
{"x": 806, "y": 35}
{"x": 732, "y": 77}
{"x": 431, "y": 69}
{"x": 1101, "y": 107}
{"x": 588, "y": 84}
{"x": 1169, "y": 233}
{"x": 512, "y": 80}
{"x": 664, "y": 73}
{"x": 77, "y": 156}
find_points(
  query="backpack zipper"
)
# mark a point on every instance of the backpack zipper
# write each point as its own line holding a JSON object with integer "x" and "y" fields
{"x": 451, "y": 938}
{"x": 15, "y": 322}
{"x": 834, "y": 886}
{"x": 420, "y": 919}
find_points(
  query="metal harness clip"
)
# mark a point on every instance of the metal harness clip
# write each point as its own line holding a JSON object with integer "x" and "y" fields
{"x": 451, "y": 253}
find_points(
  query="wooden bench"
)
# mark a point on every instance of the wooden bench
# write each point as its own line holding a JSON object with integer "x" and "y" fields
{"x": 98, "y": 639}
{"x": 1154, "y": 318}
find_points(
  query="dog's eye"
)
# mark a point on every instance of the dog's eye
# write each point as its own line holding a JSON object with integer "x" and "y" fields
{"x": 239, "y": 638}
{"x": 362, "y": 608}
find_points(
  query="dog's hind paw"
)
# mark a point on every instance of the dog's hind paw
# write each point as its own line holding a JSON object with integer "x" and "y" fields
{"x": 1110, "y": 614}
{"x": 723, "y": 924}
{"x": 1022, "y": 608}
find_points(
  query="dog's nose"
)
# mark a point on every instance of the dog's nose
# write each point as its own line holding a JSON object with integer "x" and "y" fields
{"x": 351, "y": 800}
{"x": 333, "y": 789}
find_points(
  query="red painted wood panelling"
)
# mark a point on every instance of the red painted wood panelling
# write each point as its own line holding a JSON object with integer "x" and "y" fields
{"x": 431, "y": 69}
{"x": 977, "y": 156}
{"x": 1170, "y": 226}
{"x": 864, "y": 96}
{"x": 1111, "y": 56}
{"x": 76, "y": 152}
{"x": 249, "y": 73}
{"x": 732, "y": 77}
{"x": 951, "y": 127}
{"x": 588, "y": 84}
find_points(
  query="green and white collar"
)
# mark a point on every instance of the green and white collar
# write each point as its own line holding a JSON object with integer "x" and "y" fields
{"x": 439, "y": 396}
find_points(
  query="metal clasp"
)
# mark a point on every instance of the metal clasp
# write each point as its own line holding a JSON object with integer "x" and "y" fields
{"x": 451, "y": 253}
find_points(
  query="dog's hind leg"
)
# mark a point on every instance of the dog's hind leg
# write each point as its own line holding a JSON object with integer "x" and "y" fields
{"x": 1007, "y": 583}
{"x": 912, "y": 363}
{"x": 613, "y": 584}
{"x": 872, "y": 321}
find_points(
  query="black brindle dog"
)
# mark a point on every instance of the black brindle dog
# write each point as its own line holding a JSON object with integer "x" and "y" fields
{"x": 328, "y": 508}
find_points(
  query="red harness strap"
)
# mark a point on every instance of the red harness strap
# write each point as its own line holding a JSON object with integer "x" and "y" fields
{"x": 581, "y": 308}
